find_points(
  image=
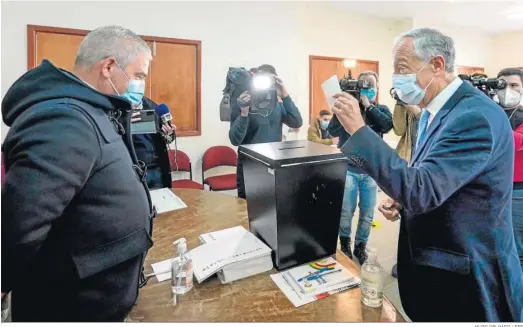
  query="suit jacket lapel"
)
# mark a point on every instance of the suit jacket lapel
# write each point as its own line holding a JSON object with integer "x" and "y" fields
{"x": 461, "y": 92}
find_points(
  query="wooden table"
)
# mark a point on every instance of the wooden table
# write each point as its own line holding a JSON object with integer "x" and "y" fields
{"x": 253, "y": 299}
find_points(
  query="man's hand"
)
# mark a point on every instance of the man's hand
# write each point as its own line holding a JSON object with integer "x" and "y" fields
{"x": 390, "y": 209}
{"x": 135, "y": 117}
{"x": 415, "y": 110}
{"x": 168, "y": 130}
{"x": 365, "y": 101}
{"x": 280, "y": 87}
{"x": 335, "y": 140}
{"x": 347, "y": 109}
{"x": 245, "y": 97}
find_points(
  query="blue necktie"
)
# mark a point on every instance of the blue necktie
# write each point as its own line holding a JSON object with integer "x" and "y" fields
{"x": 422, "y": 127}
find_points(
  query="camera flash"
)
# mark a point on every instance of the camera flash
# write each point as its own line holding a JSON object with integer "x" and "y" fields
{"x": 261, "y": 82}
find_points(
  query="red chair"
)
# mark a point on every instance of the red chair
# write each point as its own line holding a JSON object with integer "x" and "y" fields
{"x": 217, "y": 156}
{"x": 180, "y": 161}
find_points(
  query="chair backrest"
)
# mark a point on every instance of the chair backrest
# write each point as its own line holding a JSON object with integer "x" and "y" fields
{"x": 184, "y": 163}
{"x": 219, "y": 156}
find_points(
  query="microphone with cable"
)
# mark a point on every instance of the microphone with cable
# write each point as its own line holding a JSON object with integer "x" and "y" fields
{"x": 163, "y": 111}
{"x": 165, "y": 115}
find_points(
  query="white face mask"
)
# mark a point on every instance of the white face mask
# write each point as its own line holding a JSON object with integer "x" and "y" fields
{"x": 509, "y": 98}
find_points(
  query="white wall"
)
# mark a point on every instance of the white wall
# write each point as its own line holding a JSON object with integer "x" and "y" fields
{"x": 283, "y": 34}
{"x": 506, "y": 51}
{"x": 472, "y": 46}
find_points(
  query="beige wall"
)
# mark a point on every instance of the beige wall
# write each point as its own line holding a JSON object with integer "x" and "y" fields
{"x": 506, "y": 51}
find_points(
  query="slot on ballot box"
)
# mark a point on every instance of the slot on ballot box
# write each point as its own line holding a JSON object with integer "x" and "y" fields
{"x": 294, "y": 196}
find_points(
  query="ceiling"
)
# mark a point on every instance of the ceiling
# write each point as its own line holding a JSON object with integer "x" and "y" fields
{"x": 487, "y": 16}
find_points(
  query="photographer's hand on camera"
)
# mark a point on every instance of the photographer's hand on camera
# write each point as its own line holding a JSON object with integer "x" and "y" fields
{"x": 282, "y": 90}
{"x": 347, "y": 109}
{"x": 365, "y": 102}
{"x": 243, "y": 100}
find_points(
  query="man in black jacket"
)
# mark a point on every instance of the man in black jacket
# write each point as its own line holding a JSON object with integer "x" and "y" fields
{"x": 76, "y": 211}
{"x": 249, "y": 127}
{"x": 152, "y": 150}
{"x": 379, "y": 119}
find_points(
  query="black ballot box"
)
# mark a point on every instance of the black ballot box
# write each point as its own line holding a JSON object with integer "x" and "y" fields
{"x": 294, "y": 196}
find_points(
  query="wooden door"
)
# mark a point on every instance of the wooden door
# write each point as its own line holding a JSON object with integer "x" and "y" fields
{"x": 467, "y": 70}
{"x": 321, "y": 68}
{"x": 174, "y": 81}
{"x": 174, "y": 74}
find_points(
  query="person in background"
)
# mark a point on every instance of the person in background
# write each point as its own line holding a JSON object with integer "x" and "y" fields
{"x": 250, "y": 128}
{"x": 76, "y": 212}
{"x": 405, "y": 124}
{"x": 510, "y": 100}
{"x": 152, "y": 149}
{"x": 379, "y": 119}
{"x": 318, "y": 130}
{"x": 456, "y": 248}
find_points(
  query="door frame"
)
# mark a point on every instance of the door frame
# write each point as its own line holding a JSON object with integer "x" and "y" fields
{"x": 313, "y": 57}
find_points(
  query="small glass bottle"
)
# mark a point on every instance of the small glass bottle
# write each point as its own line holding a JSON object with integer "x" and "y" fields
{"x": 181, "y": 270}
{"x": 372, "y": 281}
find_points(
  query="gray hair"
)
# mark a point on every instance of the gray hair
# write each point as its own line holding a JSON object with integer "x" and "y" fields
{"x": 369, "y": 73}
{"x": 110, "y": 41}
{"x": 429, "y": 43}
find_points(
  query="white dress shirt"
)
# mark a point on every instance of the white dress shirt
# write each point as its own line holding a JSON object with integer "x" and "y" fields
{"x": 439, "y": 101}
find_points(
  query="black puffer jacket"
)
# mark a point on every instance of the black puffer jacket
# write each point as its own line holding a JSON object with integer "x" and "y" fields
{"x": 76, "y": 212}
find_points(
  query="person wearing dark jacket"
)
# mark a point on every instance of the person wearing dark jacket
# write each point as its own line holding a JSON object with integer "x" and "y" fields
{"x": 379, "y": 119}
{"x": 152, "y": 150}
{"x": 76, "y": 211}
{"x": 252, "y": 127}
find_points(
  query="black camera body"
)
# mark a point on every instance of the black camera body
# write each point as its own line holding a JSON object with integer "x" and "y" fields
{"x": 262, "y": 89}
{"x": 354, "y": 87}
{"x": 489, "y": 86}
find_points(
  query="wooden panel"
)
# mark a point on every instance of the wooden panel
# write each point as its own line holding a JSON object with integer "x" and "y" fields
{"x": 321, "y": 68}
{"x": 469, "y": 70}
{"x": 174, "y": 74}
{"x": 60, "y": 49}
{"x": 174, "y": 70}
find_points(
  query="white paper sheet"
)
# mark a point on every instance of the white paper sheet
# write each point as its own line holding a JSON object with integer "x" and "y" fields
{"x": 161, "y": 267}
{"x": 165, "y": 200}
{"x": 211, "y": 257}
{"x": 330, "y": 88}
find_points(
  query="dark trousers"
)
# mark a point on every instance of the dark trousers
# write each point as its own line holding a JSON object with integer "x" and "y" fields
{"x": 240, "y": 183}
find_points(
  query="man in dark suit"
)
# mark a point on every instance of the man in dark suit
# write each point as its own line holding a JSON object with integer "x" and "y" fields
{"x": 457, "y": 258}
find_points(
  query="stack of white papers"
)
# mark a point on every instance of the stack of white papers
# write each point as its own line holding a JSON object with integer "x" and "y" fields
{"x": 230, "y": 249}
{"x": 165, "y": 200}
{"x": 314, "y": 281}
{"x": 248, "y": 266}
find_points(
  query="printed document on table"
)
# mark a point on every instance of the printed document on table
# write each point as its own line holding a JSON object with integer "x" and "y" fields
{"x": 165, "y": 200}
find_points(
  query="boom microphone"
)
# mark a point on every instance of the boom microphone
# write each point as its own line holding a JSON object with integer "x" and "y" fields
{"x": 163, "y": 111}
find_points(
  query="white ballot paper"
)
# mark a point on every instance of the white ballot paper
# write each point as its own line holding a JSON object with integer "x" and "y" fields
{"x": 165, "y": 200}
{"x": 330, "y": 88}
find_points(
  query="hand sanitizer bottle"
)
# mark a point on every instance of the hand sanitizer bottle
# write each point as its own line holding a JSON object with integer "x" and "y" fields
{"x": 372, "y": 281}
{"x": 181, "y": 269}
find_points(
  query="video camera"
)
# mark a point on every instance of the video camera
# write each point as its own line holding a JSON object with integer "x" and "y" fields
{"x": 261, "y": 87}
{"x": 353, "y": 87}
{"x": 489, "y": 86}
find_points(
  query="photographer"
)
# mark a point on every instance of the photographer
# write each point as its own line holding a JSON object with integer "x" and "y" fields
{"x": 379, "y": 119}
{"x": 248, "y": 127}
{"x": 510, "y": 101}
{"x": 152, "y": 150}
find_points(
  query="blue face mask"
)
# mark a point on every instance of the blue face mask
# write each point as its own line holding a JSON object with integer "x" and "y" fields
{"x": 407, "y": 87}
{"x": 369, "y": 93}
{"x": 135, "y": 91}
{"x": 324, "y": 124}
